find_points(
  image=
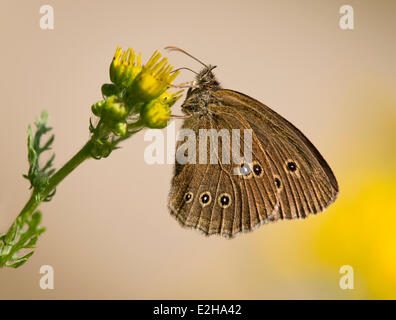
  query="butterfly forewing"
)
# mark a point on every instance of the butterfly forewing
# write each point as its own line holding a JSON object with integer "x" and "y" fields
{"x": 287, "y": 178}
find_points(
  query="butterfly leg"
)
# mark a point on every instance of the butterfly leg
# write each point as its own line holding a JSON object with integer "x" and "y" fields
{"x": 184, "y": 85}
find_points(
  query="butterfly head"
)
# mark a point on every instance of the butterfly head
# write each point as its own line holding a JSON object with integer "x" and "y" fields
{"x": 200, "y": 96}
{"x": 205, "y": 78}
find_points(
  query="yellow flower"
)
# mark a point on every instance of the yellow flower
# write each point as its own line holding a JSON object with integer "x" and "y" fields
{"x": 153, "y": 80}
{"x": 136, "y": 97}
{"x": 156, "y": 113}
{"x": 169, "y": 97}
{"x": 124, "y": 68}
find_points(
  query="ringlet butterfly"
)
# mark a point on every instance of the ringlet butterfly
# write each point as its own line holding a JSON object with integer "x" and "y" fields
{"x": 287, "y": 179}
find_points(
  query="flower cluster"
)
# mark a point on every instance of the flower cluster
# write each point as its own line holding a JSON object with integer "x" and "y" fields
{"x": 138, "y": 97}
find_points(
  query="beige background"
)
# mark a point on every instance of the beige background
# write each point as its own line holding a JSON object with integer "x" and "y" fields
{"x": 109, "y": 234}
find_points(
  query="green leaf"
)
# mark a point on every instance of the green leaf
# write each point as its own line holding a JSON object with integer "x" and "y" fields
{"x": 23, "y": 234}
{"x": 20, "y": 261}
{"x": 39, "y": 175}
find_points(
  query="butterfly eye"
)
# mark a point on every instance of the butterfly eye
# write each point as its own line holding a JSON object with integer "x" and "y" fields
{"x": 291, "y": 166}
{"x": 257, "y": 169}
{"x": 224, "y": 200}
{"x": 205, "y": 198}
{"x": 188, "y": 197}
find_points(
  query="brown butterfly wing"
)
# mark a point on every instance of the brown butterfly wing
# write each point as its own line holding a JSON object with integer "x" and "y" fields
{"x": 307, "y": 184}
{"x": 253, "y": 200}
{"x": 280, "y": 191}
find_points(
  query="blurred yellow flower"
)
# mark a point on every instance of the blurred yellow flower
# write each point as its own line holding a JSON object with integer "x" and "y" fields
{"x": 362, "y": 233}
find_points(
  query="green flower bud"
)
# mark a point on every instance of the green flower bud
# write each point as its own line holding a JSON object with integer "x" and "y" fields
{"x": 120, "y": 128}
{"x": 101, "y": 149}
{"x": 155, "y": 114}
{"x": 98, "y": 107}
{"x": 114, "y": 109}
{"x": 109, "y": 89}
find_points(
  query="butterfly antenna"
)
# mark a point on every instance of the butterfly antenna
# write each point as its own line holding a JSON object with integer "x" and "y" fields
{"x": 184, "y": 68}
{"x": 172, "y": 48}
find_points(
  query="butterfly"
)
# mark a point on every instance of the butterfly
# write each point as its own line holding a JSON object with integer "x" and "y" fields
{"x": 287, "y": 178}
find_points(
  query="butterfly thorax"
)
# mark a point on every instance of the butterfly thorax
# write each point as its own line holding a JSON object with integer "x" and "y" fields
{"x": 200, "y": 97}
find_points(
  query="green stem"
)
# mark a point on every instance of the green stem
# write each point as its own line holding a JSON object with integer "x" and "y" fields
{"x": 58, "y": 176}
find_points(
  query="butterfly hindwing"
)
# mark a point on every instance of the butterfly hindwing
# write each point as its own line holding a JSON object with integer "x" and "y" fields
{"x": 237, "y": 202}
